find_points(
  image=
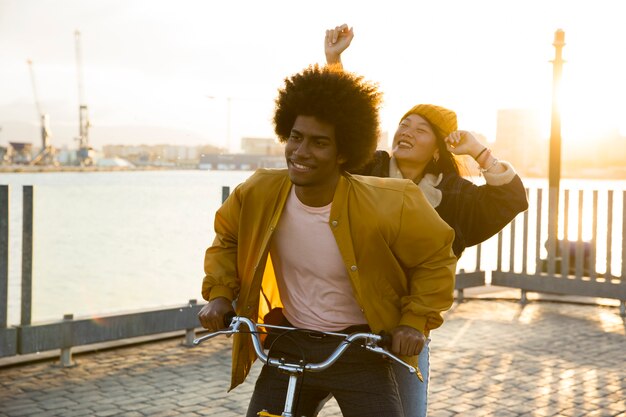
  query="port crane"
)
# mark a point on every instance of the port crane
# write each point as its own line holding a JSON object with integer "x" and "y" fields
{"x": 46, "y": 155}
{"x": 85, "y": 152}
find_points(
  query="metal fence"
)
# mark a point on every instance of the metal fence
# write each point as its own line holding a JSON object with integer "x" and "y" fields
{"x": 585, "y": 259}
{"x": 585, "y": 266}
{"x": 27, "y": 338}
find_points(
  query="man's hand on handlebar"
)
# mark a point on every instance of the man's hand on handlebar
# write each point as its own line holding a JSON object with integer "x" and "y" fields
{"x": 211, "y": 316}
{"x": 407, "y": 341}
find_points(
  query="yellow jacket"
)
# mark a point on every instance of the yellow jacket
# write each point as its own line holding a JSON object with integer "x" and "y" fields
{"x": 396, "y": 249}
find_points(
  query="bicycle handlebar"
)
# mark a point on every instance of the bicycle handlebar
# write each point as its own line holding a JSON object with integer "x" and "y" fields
{"x": 373, "y": 343}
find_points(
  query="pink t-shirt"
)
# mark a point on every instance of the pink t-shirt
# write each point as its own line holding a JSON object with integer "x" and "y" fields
{"x": 314, "y": 285}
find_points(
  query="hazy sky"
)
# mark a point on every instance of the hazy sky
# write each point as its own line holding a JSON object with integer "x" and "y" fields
{"x": 155, "y": 63}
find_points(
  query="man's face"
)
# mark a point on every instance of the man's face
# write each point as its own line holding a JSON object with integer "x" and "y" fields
{"x": 311, "y": 152}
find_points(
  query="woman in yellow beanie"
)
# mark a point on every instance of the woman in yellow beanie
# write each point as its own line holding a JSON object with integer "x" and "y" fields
{"x": 423, "y": 150}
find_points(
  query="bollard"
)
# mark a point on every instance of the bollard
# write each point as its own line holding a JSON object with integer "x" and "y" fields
{"x": 190, "y": 334}
{"x": 523, "y": 300}
{"x": 66, "y": 342}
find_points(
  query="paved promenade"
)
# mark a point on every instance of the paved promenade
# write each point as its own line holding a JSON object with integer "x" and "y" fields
{"x": 490, "y": 358}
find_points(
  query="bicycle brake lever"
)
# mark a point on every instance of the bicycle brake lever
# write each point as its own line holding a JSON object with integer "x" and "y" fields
{"x": 411, "y": 369}
{"x": 230, "y": 329}
{"x": 385, "y": 343}
{"x": 199, "y": 340}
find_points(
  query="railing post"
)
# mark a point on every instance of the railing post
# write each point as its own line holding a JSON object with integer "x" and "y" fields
{"x": 27, "y": 255}
{"x": 190, "y": 333}
{"x": 609, "y": 235}
{"x": 460, "y": 294}
{"x": 540, "y": 266}
{"x": 622, "y": 303}
{"x": 623, "y": 238}
{"x": 67, "y": 341}
{"x": 4, "y": 255}
{"x": 225, "y": 192}
{"x": 553, "y": 201}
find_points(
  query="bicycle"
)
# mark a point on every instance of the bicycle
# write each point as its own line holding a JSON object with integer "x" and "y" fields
{"x": 370, "y": 341}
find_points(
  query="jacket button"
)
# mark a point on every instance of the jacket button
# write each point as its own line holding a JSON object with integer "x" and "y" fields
{"x": 353, "y": 268}
{"x": 248, "y": 307}
{"x": 334, "y": 223}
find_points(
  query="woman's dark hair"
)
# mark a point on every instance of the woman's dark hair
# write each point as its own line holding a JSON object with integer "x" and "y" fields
{"x": 446, "y": 163}
{"x": 342, "y": 99}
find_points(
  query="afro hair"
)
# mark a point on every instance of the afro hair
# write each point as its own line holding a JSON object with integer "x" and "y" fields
{"x": 342, "y": 99}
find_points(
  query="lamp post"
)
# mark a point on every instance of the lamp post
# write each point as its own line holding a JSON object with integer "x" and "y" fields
{"x": 554, "y": 169}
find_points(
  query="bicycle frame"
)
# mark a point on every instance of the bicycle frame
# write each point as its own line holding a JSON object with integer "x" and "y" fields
{"x": 370, "y": 342}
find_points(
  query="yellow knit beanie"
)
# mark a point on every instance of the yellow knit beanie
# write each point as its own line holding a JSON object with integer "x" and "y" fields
{"x": 442, "y": 120}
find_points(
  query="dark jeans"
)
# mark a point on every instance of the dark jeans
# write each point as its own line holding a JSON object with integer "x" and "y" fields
{"x": 362, "y": 382}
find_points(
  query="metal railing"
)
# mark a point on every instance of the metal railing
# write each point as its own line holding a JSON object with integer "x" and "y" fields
{"x": 564, "y": 267}
{"x": 587, "y": 264}
{"x": 27, "y": 338}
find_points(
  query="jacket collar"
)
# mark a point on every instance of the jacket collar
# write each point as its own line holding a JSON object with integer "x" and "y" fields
{"x": 339, "y": 199}
{"x": 428, "y": 184}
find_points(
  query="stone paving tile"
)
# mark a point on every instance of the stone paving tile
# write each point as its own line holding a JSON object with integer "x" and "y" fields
{"x": 490, "y": 359}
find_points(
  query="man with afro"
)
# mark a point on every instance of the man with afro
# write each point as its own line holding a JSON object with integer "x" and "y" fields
{"x": 314, "y": 247}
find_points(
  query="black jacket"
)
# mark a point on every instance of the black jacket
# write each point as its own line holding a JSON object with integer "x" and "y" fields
{"x": 476, "y": 213}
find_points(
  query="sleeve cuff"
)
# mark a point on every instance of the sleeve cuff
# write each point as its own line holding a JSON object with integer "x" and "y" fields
{"x": 417, "y": 322}
{"x": 501, "y": 178}
{"x": 221, "y": 291}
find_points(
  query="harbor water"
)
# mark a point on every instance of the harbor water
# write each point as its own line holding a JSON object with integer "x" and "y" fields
{"x": 109, "y": 242}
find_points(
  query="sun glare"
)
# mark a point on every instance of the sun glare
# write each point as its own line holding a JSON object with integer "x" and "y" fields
{"x": 583, "y": 124}
{"x": 588, "y": 114}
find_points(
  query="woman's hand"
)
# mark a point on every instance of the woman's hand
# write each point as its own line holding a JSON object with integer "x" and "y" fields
{"x": 336, "y": 41}
{"x": 462, "y": 142}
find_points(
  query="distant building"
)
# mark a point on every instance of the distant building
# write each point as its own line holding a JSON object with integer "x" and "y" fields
{"x": 241, "y": 162}
{"x": 159, "y": 155}
{"x": 261, "y": 146}
{"x": 519, "y": 141}
{"x": 20, "y": 152}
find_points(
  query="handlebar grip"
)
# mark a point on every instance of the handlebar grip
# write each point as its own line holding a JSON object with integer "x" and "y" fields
{"x": 228, "y": 318}
{"x": 385, "y": 341}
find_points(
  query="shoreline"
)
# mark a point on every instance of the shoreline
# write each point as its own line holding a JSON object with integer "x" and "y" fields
{"x": 28, "y": 169}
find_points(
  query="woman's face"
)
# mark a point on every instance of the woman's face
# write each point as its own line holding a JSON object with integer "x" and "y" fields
{"x": 414, "y": 141}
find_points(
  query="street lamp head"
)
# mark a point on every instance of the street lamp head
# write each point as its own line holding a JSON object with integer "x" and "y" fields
{"x": 559, "y": 38}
